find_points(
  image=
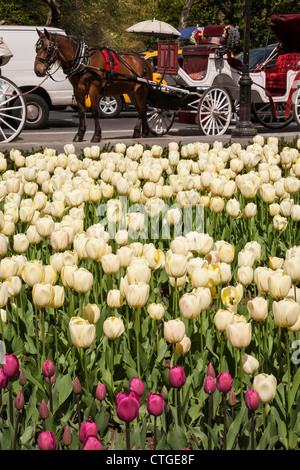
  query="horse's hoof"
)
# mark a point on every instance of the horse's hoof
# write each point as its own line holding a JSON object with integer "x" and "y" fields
{"x": 78, "y": 138}
{"x": 136, "y": 135}
{"x": 96, "y": 139}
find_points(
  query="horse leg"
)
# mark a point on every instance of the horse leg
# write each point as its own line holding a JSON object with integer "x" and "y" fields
{"x": 82, "y": 118}
{"x": 95, "y": 99}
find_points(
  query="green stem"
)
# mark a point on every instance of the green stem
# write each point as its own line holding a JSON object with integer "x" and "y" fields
{"x": 112, "y": 365}
{"x": 241, "y": 374}
{"x": 16, "y": 430}
{"x": 37, "y": 337}
{"x": 85, "y": 371}
{"x": 43, "y": 333}
{"x": 137, "y": 321}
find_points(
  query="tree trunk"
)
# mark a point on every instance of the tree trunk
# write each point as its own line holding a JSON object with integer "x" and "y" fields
{"x": 53, "y": 18}
{"x": 185, "y": 14}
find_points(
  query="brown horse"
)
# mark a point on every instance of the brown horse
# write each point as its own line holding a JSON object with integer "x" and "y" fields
{"x": 96, "y": 71}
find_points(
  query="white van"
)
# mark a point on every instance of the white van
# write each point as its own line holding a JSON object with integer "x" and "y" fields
{"x": 50, "y": 94}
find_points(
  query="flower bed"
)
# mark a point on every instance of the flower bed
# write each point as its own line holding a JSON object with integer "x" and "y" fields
{"x": 150, "y": 297}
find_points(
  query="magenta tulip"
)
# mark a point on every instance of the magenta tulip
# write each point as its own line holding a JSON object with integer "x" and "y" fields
{"x": 128, "y": 405}
{"x": 252, "y": 400}
{"x": 92, "y": 443}
{"x": 209, "y": 384}
{"x": 10, "y": 365}
{"x": 3, "y": 379}
{"x": 177, "y": 376}
{"x": 46, "y": 441}
{"x": 101, "y": 392}
{"x": 224, "y": 382}
{"x": 155, "y": 404}
{"x": 88, "y": 428}
{"x": 137, "y": 386}
{"x": 48, "y": 369}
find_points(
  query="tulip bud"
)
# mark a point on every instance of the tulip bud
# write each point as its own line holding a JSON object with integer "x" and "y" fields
{"x": 155, "y": 404}
{"x": 224, "y": 382}
{"x": 232, "y": 398}
{"x": 22, "y": 378}
{"x": 10, "y": 365}
{"x": 252, "y": 399}
{"x": 67, "y": 436}
{"x": 101, "y": 392}
{"x": 137, "y": 386}
{"x": 211, "y": 370}
{"x": 44, "y": 411}
{"x": 209, "y": 385}
{"x": 48, "y": 368}
{"x": 177, "y": 376}
{"x": 76, "y": 385}
{"x": 19, "y": 401}
{"x": 46, "y": 441}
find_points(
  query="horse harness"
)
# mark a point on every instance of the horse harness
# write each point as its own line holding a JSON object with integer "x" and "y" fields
{"x": 81, "y": 61}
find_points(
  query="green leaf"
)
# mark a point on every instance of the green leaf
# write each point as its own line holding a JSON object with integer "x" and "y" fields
{"x": 234, "y": 428}
{"x": 27, "y": 435}
{"x": 65, "y": 389}
{"x": 177, "y": 438}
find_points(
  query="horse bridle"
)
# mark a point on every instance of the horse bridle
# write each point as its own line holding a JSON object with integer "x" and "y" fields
{"x": 79, "y": 60}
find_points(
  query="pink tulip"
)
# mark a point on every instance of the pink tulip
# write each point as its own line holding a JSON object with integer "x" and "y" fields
{"x": 67, "y": 436}
{"x": 101, "y": 392}
{"x": 252, "y": 399}
{"x": 10, "y": 365}
{"x": 88, "y": 428}
{"x": 44, "y": 412}
{"x": 137, "y": 386}
{"x": 19, "y": 401}
{"x": 128, "y": 405}
{"x": 46, "y": 441}
{"x": 209, "y": 385}
{"x": 224, "y": 382}
{"x": 22, "y": 378}
{"x": 177, "y": 376}
{"x": 76, "y": 385}
{"x": 3, "y": 379}
{"x": 211, "y": 370}
{"x": 155, "y": 404}
{"x": 48, "y": 369}
{"x": 92, "y": 443}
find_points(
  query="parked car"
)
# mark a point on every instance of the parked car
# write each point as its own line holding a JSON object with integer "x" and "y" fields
{"x": 46, "y": 94}
{"x": 257, "y": 56}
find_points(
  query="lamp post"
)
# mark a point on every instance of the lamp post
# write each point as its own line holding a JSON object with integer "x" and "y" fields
{"x": 244, "y": 126}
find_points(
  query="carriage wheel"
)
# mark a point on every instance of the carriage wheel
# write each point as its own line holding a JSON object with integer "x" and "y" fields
{"x": 160, "y": 121}
{"x": 263, "y": 113}
{"x": 296, "y": 106}
{"x": 214, "y": 111}
{"x": 12, "y": 111}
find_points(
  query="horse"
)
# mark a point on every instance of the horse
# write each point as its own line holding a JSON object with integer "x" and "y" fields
{"x": 96, "y": 71}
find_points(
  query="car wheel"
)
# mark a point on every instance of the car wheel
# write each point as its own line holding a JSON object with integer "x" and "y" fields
{"x": 110, "y": 107}
{"x": 37, "y": 112}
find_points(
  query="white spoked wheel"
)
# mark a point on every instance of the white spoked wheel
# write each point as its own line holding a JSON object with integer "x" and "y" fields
{"x": 263, "y": 113}
{"x": 12, "y": 111}
{"x": 160, "y": 121}
{"x": 214, "y": 111}
{"x": 296, "y": 106}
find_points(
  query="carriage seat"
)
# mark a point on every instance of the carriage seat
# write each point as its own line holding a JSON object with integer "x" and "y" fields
{"x": 195, "y": 59}
{"x": 276, "y": 77}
